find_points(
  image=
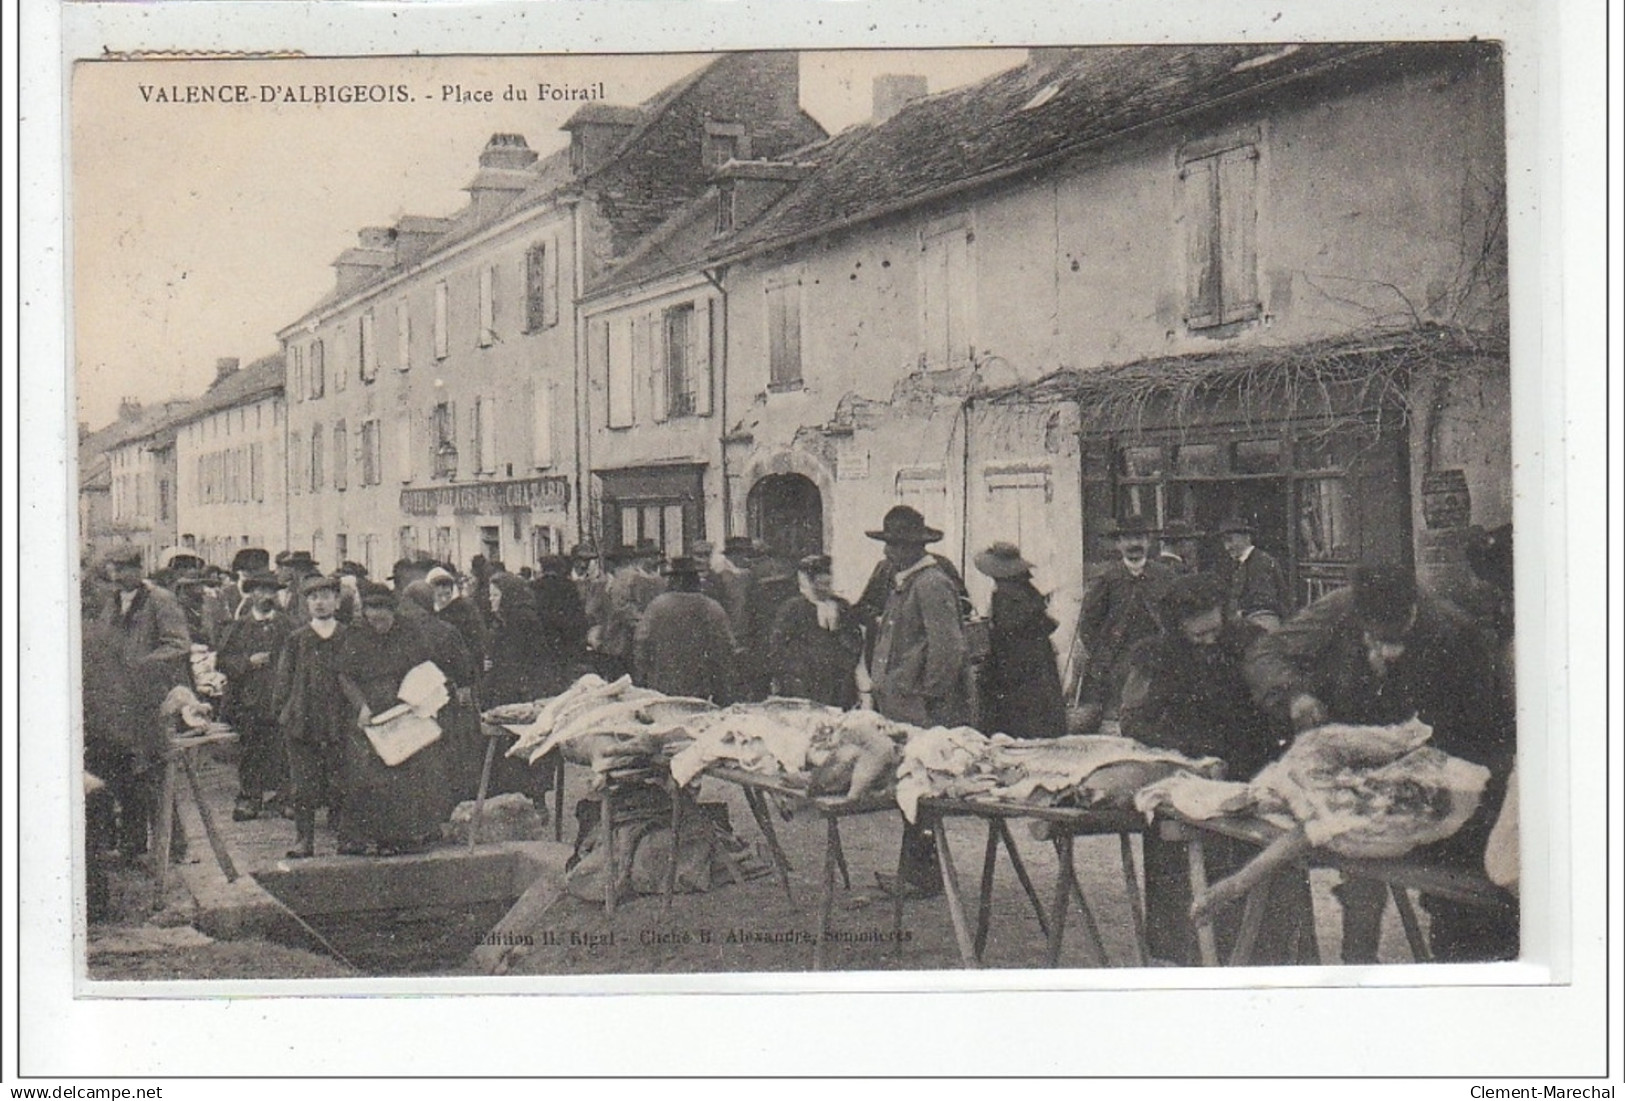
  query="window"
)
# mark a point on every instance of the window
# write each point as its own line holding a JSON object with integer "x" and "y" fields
{"x": 725, "y": 141}
{"x": 541, "y": 441}
{"x": 341, "y": 547}
{"x": 256, "y": 471}
{"x": 296, "y": 459}
{"x": 784, "y": 335}
{"x": 1219, "y": 191}
{"x": 318, "y": 369}
{"x": 618, "y": 357}
{"x": 341, "y": 361}
{"x": 658, "y": 521}
{"x": 316, "y": 457}
{"x": 485, "y": 436}
{"x": 369, "y": 553}
{"x": 947, "y": 314}
{"x": 677, "y": 331}
{"x": 541, "y": 287}
{"x": 367, "y": 349}
{"x": 442, "y": 341}
{"x": 296, "y": 372}
{"x": 403, "y": 338}
{"x": 406, "y": 542}
{"x": 341, "y": 456}
{"x": 371, "y": 454}
{"x": 488, "y": 306}
{"x": 163, "y": 498}
{"x": 445, "y": 440}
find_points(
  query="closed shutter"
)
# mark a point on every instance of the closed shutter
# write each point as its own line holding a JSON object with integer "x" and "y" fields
{"x": 488, "y": 307}
{"x": 403, "y": 443}
{"x": 654, "y": 365}
{"x": 341, "y": 456}
{"x": 403, "y": 338}
{"x": 442, "y": 341}
{"x": 618, "y": 344}
{"x": 1238, "y": 222}
{"x": 1199, "y": 211}
{"x": 488, "y": 434}
{"x": 550, "y": 290}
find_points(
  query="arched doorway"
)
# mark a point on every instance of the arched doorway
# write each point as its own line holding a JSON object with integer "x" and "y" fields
{"x": 785, "y": 513}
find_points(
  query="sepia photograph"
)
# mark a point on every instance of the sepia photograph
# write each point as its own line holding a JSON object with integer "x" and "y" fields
{"x": 794, "y": 511}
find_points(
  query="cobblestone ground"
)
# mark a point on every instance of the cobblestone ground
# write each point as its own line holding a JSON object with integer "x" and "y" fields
{"x": 748, "y": 927}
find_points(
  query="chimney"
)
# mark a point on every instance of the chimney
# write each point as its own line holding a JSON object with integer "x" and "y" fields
{"x": 129, "y": 409}
{"x": 746, "y": 188}
{"x": 504, "y": 172}
{"x": 415, "y": 235}
{"x": 596, "y": 131}
{"x": 894, "y": 90}
{"x": 224, "y": 368}
{"x": 375, "y": 252}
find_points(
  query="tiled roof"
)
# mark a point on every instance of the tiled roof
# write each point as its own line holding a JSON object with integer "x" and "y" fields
{"x": 262, "y": 378}
{"x": 151, "y": 421}
{"x": 1032, "y": 115}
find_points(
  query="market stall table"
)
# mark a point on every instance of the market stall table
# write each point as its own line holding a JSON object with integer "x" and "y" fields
{"x": 1065, "y": 824}
{"x": 494, "y": 733}
{"x": 178, "y": 758}
{"x": 757, "y": 789}
{"x": 1400, "y": 875}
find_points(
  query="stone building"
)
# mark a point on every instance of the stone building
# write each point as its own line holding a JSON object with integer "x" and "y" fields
{"x": 229, "y": 446}
{"x": 432, "y": 395}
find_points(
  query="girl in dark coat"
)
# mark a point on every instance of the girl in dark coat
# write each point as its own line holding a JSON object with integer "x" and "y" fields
{"x": 1020, "y": 683}
{"x": 817, "y": 640}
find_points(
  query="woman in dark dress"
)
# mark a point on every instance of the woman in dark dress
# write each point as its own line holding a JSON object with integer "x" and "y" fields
{"x": 1020, "y": 683}
{"x": 460, "y": 719}
{"x": 817, "y": 640}
{"x": 515, "y": 676}
{"x": 388, "y": 808}
{"x": 564, "y": 624}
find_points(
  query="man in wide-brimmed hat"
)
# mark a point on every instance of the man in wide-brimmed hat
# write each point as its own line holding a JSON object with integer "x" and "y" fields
{"x": 918, "y": 665}
{"x": 684, "y": 646}
{"x": 1020, "y": 684}
{"x": 248, "y": 653}
{"x": 1119, "y": 609}
{"x": 1254, "y": 580}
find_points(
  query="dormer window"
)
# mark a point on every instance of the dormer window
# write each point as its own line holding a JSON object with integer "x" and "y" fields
{"x": 724, "y": 142}
{"x": 725, "y": 208}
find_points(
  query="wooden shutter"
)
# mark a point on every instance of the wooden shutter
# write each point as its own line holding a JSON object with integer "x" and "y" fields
{"x": 488, "y": 305}
{"x": 699, "y": 357}
{"x": 651, "y": 349}
{"x": 550, "y": 285}
{"x": 403, "y": 444}
{"x": 619, "y": 343}
{"x": 784, "y": 333}
{"x": 442, "y": 341}
{"x": 403, "y": 338}
{"x": 1238, "y": 234}
{"x": 341, "y": 456}
{"x": 1200, "y": 200}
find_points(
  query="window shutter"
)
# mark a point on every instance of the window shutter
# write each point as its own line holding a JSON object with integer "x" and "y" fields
{"x": 341, "y": 456}
{"x": 618, "y": 345}
{"x": 542, "y": 438}
{"x": 488, "y": 310}
{"x": 1238, "y": 222}
{"x": 655, "y": 366}
{"x": 403, "y": 444}
{"x": 1200, "y": 200}
{"x": 699, "y": 357}
{"x": 403, "y": 338}
{"x": 442, "y": 343}
{"x": 550, "y": 291}
{"x": 488, "y": 434}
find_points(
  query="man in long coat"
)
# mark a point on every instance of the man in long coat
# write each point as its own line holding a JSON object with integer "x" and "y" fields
{"x": 1119, "y": 609}
{"x": 150, "y": 636}
{"x": 918, "y": 667}
{"x": 314, "y": 715}
{"x": 684, "y": 646}
{"x": 248, "y": 653}
{"x": 1257, "y": 585}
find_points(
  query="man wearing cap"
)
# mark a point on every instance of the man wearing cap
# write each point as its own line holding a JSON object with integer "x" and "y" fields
{"x": 634, "y": 584}
{"x": 1177, "y": 547}
{"x": 248, "y": 652}
{"x": 1256, "y": 585}
{"x": 1379, "y": 652}
{"x": 684, "y": 646}
{"x": 1185, "y": 691}
{"x": 918, "y": 666}
{"x": 1119, "y": 609}
{"x": 587, "y": 574}
{"x": 313, "y": 715}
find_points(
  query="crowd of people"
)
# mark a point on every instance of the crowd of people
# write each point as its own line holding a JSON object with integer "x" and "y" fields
{"x": 1209, "y": 660}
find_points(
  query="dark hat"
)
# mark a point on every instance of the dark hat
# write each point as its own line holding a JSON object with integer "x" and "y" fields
{"x": 1003, "y": 560}
{"x": 1236, "y": 524}
{"x": 299, "y": 560}
{"x": 1190, "y": 595}
{"x": 553, "y": 565}
{"x": 583, "y": 551}
{"x": 682, "y": 564}
{"x": 1178, "y": 529}
{"x": 317, "y": 583}
{"x": 905, "y": 525}
{"x": 262, "y": 579}
{"x": 372, "y": 592}
{"x": 1132, "y": 524}
{"x": 124, "y": 554}
{"x": 179, "y": 558}
{"x": 250, "y": 560}
{"x": 815, "y": 564}
{"x": 407, "y": 566}
{"x": 354, "y": 569}
{"x": 1384, "y": 599}
{"x": 646, "y": 548}
{"x": 741, "y": 545}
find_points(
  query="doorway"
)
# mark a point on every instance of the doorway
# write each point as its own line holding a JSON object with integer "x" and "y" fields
{"x": 785, "y": 513}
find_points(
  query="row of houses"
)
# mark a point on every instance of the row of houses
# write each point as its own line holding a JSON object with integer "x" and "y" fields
{"x": 1182, "y": 282}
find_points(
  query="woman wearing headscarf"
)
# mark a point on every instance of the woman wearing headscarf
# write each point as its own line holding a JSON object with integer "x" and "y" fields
{"x": 817, "y": 640}
{"x": 460, "y": 719}
{"x": 388, "y": 808}
{"x": 451, "y": 606}
{"x": 1020, "y": 682}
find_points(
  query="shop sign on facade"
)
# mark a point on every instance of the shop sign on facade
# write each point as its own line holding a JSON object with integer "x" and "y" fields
{"x": 536, "y": 494}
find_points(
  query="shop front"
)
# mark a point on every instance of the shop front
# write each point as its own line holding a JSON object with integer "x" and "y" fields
{"x": 515, "y": 522}
{"x": 662, "y": 504}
